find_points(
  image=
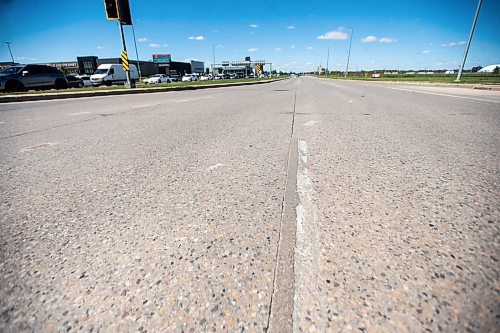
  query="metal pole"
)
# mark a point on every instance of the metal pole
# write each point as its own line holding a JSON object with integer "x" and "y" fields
{"x": 128, "y": 84}
{"x": 8, "y": 45}
{"x": 327, "y": 60}
{"x": 459, "y": 76}
{"x": 213, "y": 55}
{"x": 137, "y": 54}
{"x": 349, "y": 54}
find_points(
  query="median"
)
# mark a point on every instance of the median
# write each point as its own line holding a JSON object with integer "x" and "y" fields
{"x": 121, "y": 90}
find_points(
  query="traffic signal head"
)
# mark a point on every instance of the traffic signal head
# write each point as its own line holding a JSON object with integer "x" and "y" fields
{"x": 112, "y": 9}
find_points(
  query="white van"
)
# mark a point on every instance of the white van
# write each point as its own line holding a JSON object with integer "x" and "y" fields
{"x": 108, "y": 74}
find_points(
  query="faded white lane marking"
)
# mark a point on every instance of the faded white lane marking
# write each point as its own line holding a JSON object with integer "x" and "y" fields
{"x": 350, "y": 101}
{"x": 182, "y": 100}
{"x": 311, "y": 123}
{"x": 77, "y": 113}
{"x": 144, "y": 105}
{"x": 215, "y": 166}
{"x": 445, "y": 95}
{"x": 2, "y": 122}
{"x": 308, "y": 299}
{"x": 192, "y": 99}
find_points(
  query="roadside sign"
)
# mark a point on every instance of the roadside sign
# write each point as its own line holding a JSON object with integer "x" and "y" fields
{"x": 124, "y": 61}
{"x": 162, "y": 58}
{"x": 258, "y": 68}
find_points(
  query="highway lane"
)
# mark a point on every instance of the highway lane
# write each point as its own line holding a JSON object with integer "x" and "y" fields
{"x": 340, "y": 205}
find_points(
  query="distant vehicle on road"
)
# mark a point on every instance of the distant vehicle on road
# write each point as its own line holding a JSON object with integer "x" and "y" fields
{"x": 158, "y": 78}
{"x": 189, "y": 77}
{"x": 74, "y": 82}
{"x": 109, "y": 74}
{"x": 26, "y": 77}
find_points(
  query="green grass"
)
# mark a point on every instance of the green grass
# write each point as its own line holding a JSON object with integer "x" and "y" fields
{"x": 139, "y": 85}
{"x": 434, "y": 78}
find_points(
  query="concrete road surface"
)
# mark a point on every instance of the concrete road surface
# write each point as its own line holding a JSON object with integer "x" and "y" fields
{"x": 304, "y": 205}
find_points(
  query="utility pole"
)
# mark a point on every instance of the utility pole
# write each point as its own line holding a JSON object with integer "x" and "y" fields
{"x": 349, "y": 54}
{"x": 459, "y": 76}
{"x": 8, "y": 45}
{"x": 213, "y": 55}
{"x": 137, "y": 54}
{"x": 124, "y": 47}
{"x": 327, "y": 60}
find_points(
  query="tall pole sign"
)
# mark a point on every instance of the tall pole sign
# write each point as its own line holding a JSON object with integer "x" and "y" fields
{"x": 120, "y": 10}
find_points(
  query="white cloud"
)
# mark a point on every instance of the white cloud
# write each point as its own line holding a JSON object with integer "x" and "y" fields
{"x": 369, "y": 39}
{"x": 142, "y": 39}
{"x": 253, "y": 49}
{"x": 290, "y": 27}
{"x": 99, "y": 47}
{"x": 220, "y": 46}
{"x": 425, "y": 52}
{"x": 307, "y": 64}
{"x": 338, "y": 34}
{"x": 253, "y": 26}
{"x": 278, "y": 49}
{"x": 196, "y": 38}
{"x": 154, "y": 45}
{"x": 292, "y": 46}
{"x": 454, "y": 44}
{"x": 309, "y": 47}
{"x": 388, "y": 40}
{"x": 215, "y": 30}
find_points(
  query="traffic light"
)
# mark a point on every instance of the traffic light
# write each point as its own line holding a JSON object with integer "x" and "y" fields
{"x": 111, "y": 7}
{"x": 125, "y": 16}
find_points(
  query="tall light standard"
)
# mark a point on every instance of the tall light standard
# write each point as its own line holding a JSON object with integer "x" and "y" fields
{"x": 137, "y": 53}
{"x": 8, "y": 45}
{"x": 468, "y": 41}
{"x": 327, "y": 60}
{"x": 349, "y": 54}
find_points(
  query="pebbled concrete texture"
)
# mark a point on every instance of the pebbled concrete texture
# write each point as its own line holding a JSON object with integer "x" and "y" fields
{"x": 122, "y": 224}
{"x": 164, "y": 212}
{"x": 407, "y": 198}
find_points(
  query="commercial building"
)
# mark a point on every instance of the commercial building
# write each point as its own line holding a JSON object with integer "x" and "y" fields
{"x": 246, "y": 67}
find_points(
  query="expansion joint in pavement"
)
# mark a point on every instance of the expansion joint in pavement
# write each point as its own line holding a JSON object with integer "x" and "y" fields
{"x": 281, "y": 307}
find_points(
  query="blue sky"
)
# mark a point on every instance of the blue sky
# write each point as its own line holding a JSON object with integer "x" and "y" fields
{"x": 294, "y": 35}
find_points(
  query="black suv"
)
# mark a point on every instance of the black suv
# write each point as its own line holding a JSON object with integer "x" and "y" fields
{"x": 26, "y": 77}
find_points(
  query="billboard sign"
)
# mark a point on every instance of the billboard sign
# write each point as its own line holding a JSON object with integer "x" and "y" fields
{"x": 161, "y": 58}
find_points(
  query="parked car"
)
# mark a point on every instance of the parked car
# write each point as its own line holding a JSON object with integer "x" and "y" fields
{"x": 158, "y": 78}
{"x": 26, "y": 77}
{"x": 108, "y": 74}
{"x": 74, "y": 82}
{"x": 174, "y": 77}
{"x": 85, "y": 78}
{"x": 206, "y": 77}
{"x": 240, "y": 76}
{"x": 189, "y": 77}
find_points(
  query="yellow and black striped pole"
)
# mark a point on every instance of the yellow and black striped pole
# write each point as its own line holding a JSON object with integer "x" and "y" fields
{"x": 125, "y": 61}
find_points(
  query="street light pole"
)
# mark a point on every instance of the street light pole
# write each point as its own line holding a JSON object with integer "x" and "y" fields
{"x": 213, "y": 55}
{"x": 349, "y": 54}
{"x": 468, "y": 41}
{"x": 137, "y": 54}
{"x": 327, "y": 60}
{"x": 8, "y": 45}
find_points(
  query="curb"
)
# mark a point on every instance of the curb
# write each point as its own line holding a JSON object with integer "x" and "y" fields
{"x": 51, "y": 96}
